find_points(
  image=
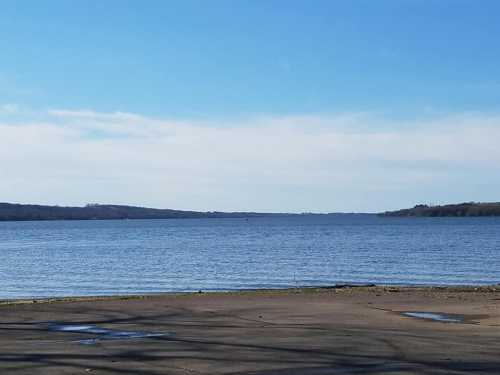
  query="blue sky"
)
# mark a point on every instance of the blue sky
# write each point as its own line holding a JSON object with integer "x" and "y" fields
{"x": 78, "y": 72}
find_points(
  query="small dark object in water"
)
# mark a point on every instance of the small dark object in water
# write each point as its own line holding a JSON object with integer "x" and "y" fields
{"x": 342, "y": 286}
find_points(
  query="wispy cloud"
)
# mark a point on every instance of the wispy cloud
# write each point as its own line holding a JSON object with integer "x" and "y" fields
{"x": 9, "y": 109}
{"x": 266, "y": 163}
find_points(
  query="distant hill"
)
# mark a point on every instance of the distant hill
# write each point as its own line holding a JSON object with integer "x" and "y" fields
{"x": 449, "y": 210}
{"x": 20, "y": 212}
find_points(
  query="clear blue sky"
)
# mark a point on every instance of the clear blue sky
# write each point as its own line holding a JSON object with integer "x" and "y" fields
{"x": 236, "y": 57}
{"x": 398, "y": 62}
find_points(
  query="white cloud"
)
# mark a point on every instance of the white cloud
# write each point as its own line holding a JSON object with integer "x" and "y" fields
{"x": 93, "y": 115}
{"x": 9, "y": 109}
{"x": 268, "y": 163}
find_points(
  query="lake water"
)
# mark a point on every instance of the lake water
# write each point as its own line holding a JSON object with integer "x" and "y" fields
{"x": 66, "y": 258}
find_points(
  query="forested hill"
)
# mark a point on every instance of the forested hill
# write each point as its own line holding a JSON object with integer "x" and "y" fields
{"x": 9, "y": 211}
{"x": 449, "y": 210}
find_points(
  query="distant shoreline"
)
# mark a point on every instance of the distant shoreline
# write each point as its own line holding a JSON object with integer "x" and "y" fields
{"x": 33, "y": 212}
{"x": 468, "y": 209}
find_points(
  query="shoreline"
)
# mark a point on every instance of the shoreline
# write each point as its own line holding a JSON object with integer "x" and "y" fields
{"x": 375, "y": 288}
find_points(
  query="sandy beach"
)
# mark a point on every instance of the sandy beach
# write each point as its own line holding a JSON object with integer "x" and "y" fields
{"x": 350, "y": 330}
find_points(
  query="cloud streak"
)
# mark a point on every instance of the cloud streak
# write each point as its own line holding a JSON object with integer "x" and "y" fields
{"x": 8, "y": 109}
{"x": 289, "y": 163}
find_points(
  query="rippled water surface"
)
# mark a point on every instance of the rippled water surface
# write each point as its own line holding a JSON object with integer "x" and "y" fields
{"x": 63, "y": 258}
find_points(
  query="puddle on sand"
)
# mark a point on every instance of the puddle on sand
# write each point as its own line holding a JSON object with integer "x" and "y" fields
{"x": 438, "y": 317}
{"x": 102, "y": 333}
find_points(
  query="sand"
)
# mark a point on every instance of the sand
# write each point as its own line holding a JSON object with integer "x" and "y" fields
{"x": 297, "y": 332}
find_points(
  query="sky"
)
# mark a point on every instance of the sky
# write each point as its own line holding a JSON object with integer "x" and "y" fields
{"x": 290, "y": 106}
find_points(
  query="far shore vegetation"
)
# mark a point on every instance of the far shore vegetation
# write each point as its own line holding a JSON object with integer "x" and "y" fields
{"x": 28, "y": 212}
{"x": 468, "y": 209}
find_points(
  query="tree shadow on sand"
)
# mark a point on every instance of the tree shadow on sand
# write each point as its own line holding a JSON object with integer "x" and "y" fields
{"x": 209, "y": 343}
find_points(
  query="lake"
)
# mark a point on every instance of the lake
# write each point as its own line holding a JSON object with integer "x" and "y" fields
{"x": 77, "y": 258}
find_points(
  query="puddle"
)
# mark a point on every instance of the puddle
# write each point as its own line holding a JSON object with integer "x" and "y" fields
{"x": 102, "y": 333}
{"x": 438, "y": 317}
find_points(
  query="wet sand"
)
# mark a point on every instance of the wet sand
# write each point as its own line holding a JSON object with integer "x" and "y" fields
{"x": 298, "y": 332}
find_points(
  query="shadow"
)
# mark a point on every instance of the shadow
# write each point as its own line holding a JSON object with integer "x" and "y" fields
{"x": 209, "y": 342}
